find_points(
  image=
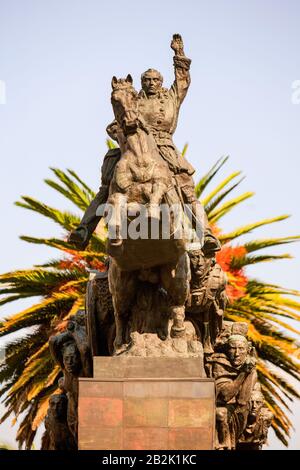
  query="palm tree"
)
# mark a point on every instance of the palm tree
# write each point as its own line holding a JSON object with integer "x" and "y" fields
{"x": 29, "y": 375}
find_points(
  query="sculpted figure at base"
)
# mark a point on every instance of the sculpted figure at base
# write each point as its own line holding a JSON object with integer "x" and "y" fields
{"x": 71, "y": 351}
{"x": 259, "y": 420}
{"x": 99, "y": 314}
{"x": 208, "y": 299}
{"x": 56, "y": 423}
{"x": 233, "y": 365}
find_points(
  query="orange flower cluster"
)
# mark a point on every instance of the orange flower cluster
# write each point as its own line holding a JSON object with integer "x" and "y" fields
{"x": 237, "y": 279}
{"x": 77, "y": 261}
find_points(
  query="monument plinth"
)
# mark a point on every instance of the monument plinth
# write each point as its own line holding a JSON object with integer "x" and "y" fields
{"x": 136, "y": 403}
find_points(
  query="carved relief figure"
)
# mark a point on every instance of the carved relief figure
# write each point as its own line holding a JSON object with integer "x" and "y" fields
{"x": 70, "y": 350}
{"x": 60, "y": 437}
{"x": 207, "y": 300}
{"x": 259, "y": 420}
{"x": 235, "y": 375}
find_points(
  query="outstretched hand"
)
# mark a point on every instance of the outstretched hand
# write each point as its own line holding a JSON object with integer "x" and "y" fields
{"x": 177, "y": 44}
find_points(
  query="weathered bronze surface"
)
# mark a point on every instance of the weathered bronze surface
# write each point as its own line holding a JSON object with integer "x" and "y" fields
{"x": 154, "y": 319}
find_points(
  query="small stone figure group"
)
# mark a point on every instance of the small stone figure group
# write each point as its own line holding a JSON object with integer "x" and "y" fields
{"x": 71, "y": 351}
{"x": 242, "y": 419}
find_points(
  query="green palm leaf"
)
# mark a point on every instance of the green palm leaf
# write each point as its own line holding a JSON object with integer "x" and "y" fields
{"x": 224, "y": 238}
{"x": 221, "y": 186}
{"x": 255, "y": 245}
{"x": 205, "y": 180}
{"x": 65, "y": 219}
{"x": 219, "y": 212}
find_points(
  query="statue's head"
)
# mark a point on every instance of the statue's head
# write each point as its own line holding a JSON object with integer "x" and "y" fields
{"x": 58, "y": 405}
{"x": 71, "y": 358}
{"x": 152, "y": 81}
{"x": 124, "y": 99}
{"x": 257, "y": 402}
{"x": 237, "y": 350}
{"x": 200, "y": 264}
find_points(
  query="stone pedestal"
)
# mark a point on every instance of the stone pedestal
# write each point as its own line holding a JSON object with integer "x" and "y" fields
{"x": 137, "y": 403}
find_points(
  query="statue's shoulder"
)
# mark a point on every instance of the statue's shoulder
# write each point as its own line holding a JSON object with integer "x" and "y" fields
{"x": 219, "y": 360}
{"x": 112, "y": 153}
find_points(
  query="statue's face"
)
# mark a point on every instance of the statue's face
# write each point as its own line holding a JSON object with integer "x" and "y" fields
{"x": 151, "y": 83}
{"x": 71, "y": 359}
{"x": 237, "y": 352}
{"x": 199, "y": 263}
{"x": 257, "y": 401}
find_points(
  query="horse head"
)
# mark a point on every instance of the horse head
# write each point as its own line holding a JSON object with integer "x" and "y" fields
{"x": 124, "y": 99}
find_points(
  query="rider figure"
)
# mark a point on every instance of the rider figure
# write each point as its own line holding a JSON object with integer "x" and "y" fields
{"x": 159, "y": 108}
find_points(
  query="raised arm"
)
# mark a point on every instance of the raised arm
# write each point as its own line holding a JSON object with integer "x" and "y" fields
{"x": 181, "y": 67}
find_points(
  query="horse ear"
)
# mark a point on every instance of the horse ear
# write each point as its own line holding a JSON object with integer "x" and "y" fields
{"x": 114, "y": 82}
{"x": 129, "y": 79}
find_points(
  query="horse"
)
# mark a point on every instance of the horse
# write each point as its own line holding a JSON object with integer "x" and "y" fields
{"x": 142, "y": 181}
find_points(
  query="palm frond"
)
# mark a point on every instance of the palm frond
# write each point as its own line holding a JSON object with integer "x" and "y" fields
{"x": 205, "y": 180}
{"x": 69, "y": 188}
{"x": 66, "y": 220}
{"x": 210, "y": 206}
{"x": 255, "y": 245}
{"x": 219, "y": 212}
{"x": 219, "y": 187}
{"x": 240, "y": 262}
{"x": 228, "y": 237}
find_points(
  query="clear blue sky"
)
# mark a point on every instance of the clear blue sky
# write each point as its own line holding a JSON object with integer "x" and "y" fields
{"x": 57, "y": 58}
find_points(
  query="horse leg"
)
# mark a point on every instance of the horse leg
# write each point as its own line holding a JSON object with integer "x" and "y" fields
{"x": 122, "y": 285}
{"x": 176, "y": 281}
